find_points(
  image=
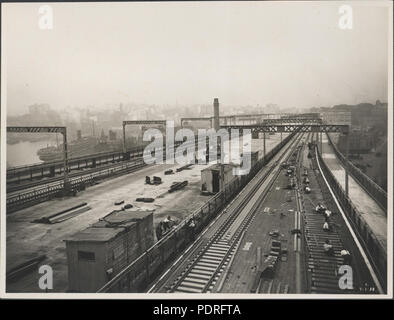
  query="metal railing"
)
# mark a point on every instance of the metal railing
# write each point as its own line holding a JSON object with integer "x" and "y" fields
{"x": 41, "y": 194}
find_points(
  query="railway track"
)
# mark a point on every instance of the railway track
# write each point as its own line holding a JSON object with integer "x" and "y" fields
{"x": 322, "y": 269}
{"x": 11, "y": 188}
{"x": 20, "y": 199}
{"x": 203, "y": 272}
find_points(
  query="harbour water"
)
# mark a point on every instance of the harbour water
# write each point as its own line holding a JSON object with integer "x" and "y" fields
{"x": 24, "y": 153}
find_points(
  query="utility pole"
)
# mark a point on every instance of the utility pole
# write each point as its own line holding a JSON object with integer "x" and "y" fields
{"x": 124, "y": 137}
{"x": 321, "y": 143}
{"x": 65, "y": 160}
{"x": 347, "y": 166}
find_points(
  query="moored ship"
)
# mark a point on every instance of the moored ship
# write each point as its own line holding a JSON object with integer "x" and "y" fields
{"x": 78, "y": 148}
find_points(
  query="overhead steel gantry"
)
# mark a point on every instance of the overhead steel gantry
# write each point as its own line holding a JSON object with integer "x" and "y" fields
{"x": 342, "y": 128}
{"x": 138, "y": 122}
{"x": 197, "y": 119}
{"x": 318, "y": 128}
{"x": 62, "y": 130}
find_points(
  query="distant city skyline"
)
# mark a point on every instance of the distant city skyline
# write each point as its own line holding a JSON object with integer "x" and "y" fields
{"x": 251, "y": 53}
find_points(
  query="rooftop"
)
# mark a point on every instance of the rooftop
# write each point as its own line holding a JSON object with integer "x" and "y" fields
{"x": 92, "y": 234}
{"x": 110, "y": 226}
{"x": 216, "y": 167}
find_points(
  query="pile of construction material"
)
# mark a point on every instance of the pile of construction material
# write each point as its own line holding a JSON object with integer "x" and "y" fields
{"x": 178, "y": 186}
{"x": 184, "y": 167}
{"x": 64, "y": 214}
{"x": 155, "y": 181}
{"x": 145, "y": 200}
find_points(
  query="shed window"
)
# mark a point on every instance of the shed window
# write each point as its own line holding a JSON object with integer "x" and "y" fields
{"x": 86, "y": 255}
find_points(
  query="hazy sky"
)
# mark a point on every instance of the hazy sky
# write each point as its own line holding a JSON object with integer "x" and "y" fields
{"x": 292, "y": 54}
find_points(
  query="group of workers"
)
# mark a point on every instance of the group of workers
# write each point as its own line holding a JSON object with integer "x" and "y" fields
{"x": 327, "y": 214}
{"x": 345, "y": 254}
{"x": 164, "y": 226}
{"x": 328, "y": 248}
{"x": 307, "y": 189}
{"x": 167, "y": 224}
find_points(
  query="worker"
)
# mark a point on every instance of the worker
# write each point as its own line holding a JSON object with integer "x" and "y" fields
{"x": 307, "y": 190}
{"x": 159, "y": 230}
{"x": 192, "y": 227}
{"x": 328, "y": 249}
{"x": 326, "y": 226}
{"x": 167, "y": 223}
{"x": 347, "y": 258}
{"x": 320, "y": 208}
{"x": 327, "y": 213}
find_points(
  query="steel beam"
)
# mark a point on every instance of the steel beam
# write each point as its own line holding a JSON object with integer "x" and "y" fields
{"x": 61, "y": 130}
{"x": 292, "y": 120}
{"x": 196, "y": 119}
{"x": 137, "y": 122}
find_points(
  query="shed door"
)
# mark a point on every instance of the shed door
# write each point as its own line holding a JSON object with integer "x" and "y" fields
{"x": 215, "y": 181}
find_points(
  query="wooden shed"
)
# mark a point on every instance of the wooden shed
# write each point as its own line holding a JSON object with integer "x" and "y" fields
{"x": 96, "y": 254}
{"x": 211, "y": 180}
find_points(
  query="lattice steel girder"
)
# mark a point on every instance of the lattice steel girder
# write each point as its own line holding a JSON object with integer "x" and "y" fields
{"x": 136, "y": 122}
{"x": 314, "y": 115}
{"x": 61, "y": 130}
{"x": 292, "y": 128}
{"x": 294, "y": 120}
{"x": 196, "y": 119}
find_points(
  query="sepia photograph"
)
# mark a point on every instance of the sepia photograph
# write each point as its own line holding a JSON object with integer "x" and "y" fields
{"x": 197, "y": 150}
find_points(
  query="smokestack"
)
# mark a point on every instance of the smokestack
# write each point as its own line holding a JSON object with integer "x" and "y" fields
{"x": 216, "y": 124}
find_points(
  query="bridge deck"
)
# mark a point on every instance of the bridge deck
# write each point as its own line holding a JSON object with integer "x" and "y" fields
{"x": 26, "y": 240}
{"x": 365, "y": 204}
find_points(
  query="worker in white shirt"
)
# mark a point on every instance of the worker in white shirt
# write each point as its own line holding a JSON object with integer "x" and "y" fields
{"x": 326, "y": 226}
{"x": 320, "y": 208}
{"x": 347, "y": 257}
